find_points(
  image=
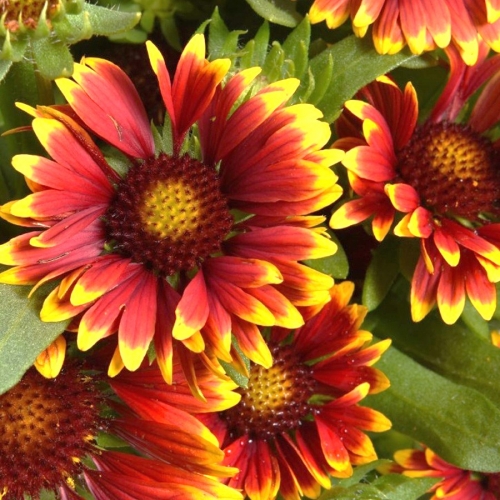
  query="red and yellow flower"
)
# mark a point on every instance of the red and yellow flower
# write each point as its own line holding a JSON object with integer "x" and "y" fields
{"x": 421, "y": 24}
{"x": 455, "y": 483}
{"x": 54, "y": 434}
{"x": 193, "y": 234}
{"x": 298, "y": 422}
{"x": 440, "y": 178}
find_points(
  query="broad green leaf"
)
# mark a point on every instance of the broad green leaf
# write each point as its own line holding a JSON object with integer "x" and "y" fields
{"x": 461, "y": 354}
{"x": 474, "y": 321}
{"x": 356, "y": 63}
{"x": 23, "y": 336}
{"x": 360, "y": 472}
{"x": 390, "y": 487}
{"x": 459, "y": 423}
{"x": 381, "y": 273}
{"x": 276, "y": 11}
{"x": 336, "y": 265}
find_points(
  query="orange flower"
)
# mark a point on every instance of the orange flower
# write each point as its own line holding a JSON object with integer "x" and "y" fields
{"x": 441, "y": 179}
{"x": 175, "y": 246}
{"x": 423, "y": 25}
{"x": 456, "y": 483}
{"x": 52, "y": 431}
{"x": 299, "y": 422}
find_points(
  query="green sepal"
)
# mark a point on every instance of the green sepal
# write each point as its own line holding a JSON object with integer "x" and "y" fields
{"x": 381, "y": 273}
{"x": 110, "y": 441}
{"x": 221, "y": 41}
{"x": 255, "y": 51}
{"x": 12, "y": 51}
{"x": 458, "y": 423}
{"x": 273, "y": 67}
{"x": 53, "y": 58}
{"x": 280, "y": 12}
{"x": 23, "y": 335}
{"x": 107, "y": 22}
{"x": 321, "y": 70}
{"x": 234, "y": 374}
{"x": 296, "y": 48}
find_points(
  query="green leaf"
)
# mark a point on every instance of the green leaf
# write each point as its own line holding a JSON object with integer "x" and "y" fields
{"x": 277, "y": 11}
{"x": 381, "y": 273}
{"x": 360, "y": 472}
{"x": 460, "y": 354}
{"x": 390, "y": 487}
{"x": 231, "y": 371}
{"x": 221, "y": 41}
{"x": 273, "y": 67}
{"x": 296, "y": 47}
{"x": 459, "y": 423}
{"x": 110, "y": 21}
{"x": 336, "y": 265}
{"x": 52, "y": 58}
{"x": 255, "y": 51}
{"x": 23, "y": 336}
{"x": 356, "y": 63}
{"x": 322, "y": 72}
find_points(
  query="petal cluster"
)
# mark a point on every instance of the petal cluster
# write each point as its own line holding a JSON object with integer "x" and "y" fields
{"x": 421, "y": 25}
{"x": 298, "y": 458}
{"x": 271, "y": 173}
{"x": 456, "y": 483}
{"x": 458, "y": 258}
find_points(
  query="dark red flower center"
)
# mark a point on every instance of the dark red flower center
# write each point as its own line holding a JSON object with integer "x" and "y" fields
{"x": 28, "y": 11}
{"x": 46, "y": 428}
{"x": 455, "y": 170}
{"x": 168, "y": 214}
{"x": 276, "y": 399}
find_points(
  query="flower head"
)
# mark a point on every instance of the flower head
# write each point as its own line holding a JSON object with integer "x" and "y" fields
{"x": 299, "y": 422}
{"x": 44, "y": 28}
{"x": 440, "y": 178}
{"x": 51, "y": 432}
{"x": 455, "y": 483}
{"x": 420, "y": 24}
{"x": 197, "y": 238}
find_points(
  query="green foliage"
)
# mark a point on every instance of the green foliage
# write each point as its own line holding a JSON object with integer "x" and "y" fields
{"x": 457, "y": 422}
{"x": 23, "y": 336}
{"x": 276, "y": 11}
{"x": 390, "y": 487}
{"x": 327, "y": 80}
{"x": 336, "y": 265}
{"x": 461, "y": 354}
{"x": 381, "y": 273}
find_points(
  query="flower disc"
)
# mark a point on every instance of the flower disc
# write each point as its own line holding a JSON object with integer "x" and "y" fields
{"x": 454, "y": 169}
{"x": 46, "y": 428}
{"x": 169, "y": 214}
{"x": 276, "y": 399}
